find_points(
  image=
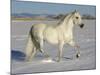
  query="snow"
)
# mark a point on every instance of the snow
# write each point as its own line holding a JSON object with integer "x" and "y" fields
{"x": 85, "y": 38}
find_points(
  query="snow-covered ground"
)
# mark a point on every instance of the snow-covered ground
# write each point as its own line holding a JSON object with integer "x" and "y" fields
{"x": 84, "y": 37}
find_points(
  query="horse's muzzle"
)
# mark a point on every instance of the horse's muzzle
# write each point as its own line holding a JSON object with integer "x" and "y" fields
{"x": 81, "y": 25}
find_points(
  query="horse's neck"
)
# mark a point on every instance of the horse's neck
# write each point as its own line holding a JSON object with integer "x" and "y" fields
{"x": 67, "y": 24}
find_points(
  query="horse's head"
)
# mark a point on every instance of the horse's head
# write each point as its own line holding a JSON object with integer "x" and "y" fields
{"x": 77, "y": 20}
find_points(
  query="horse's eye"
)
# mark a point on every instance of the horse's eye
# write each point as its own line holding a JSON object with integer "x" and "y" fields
{"x": 77, "y": 17}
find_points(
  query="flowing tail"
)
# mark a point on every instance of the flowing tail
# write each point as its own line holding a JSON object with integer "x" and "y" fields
{"x": 32, "y": 45}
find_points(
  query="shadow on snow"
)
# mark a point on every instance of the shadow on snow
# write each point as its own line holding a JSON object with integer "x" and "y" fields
{"x": 17, "y": 55}
{"x": 20, "y": 56}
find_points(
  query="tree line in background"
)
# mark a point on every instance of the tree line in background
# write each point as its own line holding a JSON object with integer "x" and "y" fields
{"x": 85, "y": 16}
{"x": 27, "y": 16}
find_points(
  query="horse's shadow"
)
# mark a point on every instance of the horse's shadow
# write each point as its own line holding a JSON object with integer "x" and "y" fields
{"x": 68, "y": 58}
{"x": 17, "y": 55}
{"x": 20, "y": 56}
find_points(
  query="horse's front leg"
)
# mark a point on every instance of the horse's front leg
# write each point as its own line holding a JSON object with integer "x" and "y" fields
{"x": 73, "y": 44}
{"x": 60, "y": 48}
{"x": 78, "y": 50}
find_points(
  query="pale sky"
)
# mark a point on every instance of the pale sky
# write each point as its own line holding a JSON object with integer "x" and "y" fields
{"x": 49, "y": 8}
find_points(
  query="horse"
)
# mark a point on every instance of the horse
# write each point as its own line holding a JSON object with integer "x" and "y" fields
{"x": 59, "y": 34}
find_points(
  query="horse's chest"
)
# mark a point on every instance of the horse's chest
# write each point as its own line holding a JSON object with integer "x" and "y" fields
{"x": 50, "y": 35}
{"x": 68, "y": 37}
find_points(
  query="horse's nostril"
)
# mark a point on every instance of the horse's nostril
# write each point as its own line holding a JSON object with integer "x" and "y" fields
{"x": 82, "y": 25}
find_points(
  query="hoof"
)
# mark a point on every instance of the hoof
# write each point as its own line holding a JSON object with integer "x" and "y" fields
{"x": 28, "y": 60}
{"x": 58, "y": 60}
{"x": 78, "y": 55}
{"x": 47, "y": 56}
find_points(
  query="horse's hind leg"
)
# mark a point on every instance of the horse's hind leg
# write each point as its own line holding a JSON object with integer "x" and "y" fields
{"x": 45, "y": 53}
{"x": 29, "y": 49}
{"x": 32, "y": 54}
{"x": 41, "y": 49}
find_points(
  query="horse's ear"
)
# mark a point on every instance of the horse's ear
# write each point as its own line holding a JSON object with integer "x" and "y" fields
{"x": 74, "y": 11}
